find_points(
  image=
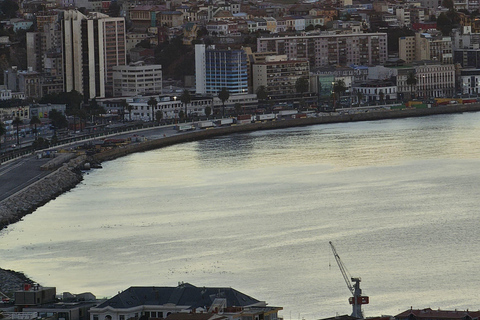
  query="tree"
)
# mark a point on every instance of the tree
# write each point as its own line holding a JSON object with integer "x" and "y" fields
{"x": 114, "y": 9}
{"x": 447, "y": 4}
{"x": 185, "y": 98}
{"x": 339, "y": 88}
{"x": 208, "y": 111}
{"x": 152, "y": 102}
{"x": 359, "y": 97}
{"x": 3, "y": 131}
{"x": 262, "y": 93}
{"x": 124, "y": 104}
{"x": 9, "y": 8}
{"x": 34, "y": 122}
{"x": 381, "y": 95}
{"x": 17, "y": 122}
{"x": 411, "y": 81}
{"x": 58, "y": 119}
{"x": 238, "y": 108}
{"x": 159, "y": 115}
{"x": 181, "y": 115}
{"x": 223, "y": 95}
{"x": 301, "y": 85}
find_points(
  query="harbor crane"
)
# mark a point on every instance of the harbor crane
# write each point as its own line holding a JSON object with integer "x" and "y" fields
{"x": 353, "y": 284}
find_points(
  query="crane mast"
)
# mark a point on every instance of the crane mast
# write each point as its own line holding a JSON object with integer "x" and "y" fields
{"x": 357, "y": 299}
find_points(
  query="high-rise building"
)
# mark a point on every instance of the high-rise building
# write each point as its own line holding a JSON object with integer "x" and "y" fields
{"x": 217, "y": 68}
{"x": 279, "y": 75}
{"x": 92, "y": 46}
{"x": 330, "y": 49}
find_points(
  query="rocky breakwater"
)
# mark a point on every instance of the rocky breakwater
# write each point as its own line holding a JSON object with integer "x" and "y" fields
{"x": 63, "y": 178}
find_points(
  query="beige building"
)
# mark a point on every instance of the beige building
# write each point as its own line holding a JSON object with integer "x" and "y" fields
{"x": 137, "y": 79}
{"x": 278, "y": 74}
{"x": 426, "y": 46}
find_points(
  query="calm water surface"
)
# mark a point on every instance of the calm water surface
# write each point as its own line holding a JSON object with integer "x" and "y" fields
{"x": 256, "y": 211}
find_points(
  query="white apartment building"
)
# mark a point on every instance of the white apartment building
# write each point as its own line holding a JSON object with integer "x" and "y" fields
{"x": 137, "y": 79}
{"x": 435, "y": 80}
{"x": 93, "y": 45}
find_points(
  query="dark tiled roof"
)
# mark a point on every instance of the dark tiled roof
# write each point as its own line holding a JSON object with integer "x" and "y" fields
{"x": 438, "y": 314}
{"x": 183, "y": 295}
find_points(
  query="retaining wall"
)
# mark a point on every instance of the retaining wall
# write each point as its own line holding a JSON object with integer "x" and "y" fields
{"x": 40, "y": 192}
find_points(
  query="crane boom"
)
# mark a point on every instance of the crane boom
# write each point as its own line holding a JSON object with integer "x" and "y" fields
{"x": 357, "y": 299}
{"x": 343, "y": 270}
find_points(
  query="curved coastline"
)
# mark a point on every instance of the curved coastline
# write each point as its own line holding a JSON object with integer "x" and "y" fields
{"x": 26, "y": 201}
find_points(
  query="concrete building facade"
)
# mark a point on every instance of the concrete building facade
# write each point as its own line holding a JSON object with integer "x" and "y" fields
{"x": 279, "y": 75}
{"x": 137, "y": 79}
{"x": 330, "y": 49}
{"x": 92, "y": 46}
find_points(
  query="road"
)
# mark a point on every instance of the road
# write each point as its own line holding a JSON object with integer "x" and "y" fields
{"x": 18, "y": 174}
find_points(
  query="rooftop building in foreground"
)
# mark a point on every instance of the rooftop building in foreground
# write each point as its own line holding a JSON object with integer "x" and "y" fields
{"x": 429, "y": 314}
{"x": 161, "y": 302}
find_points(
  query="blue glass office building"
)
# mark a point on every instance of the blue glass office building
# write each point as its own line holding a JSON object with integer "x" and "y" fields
{"x": 223, "y": 69}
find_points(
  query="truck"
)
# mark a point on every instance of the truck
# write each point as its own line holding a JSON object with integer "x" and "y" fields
{"x": 268, "y": 116}
{"x": 225, "y": 122}
{"x": 205, "y": 124}
{"x": 244, "y": 118}
{"x": 282, "y": 113}
{"x": 185, "y": 127}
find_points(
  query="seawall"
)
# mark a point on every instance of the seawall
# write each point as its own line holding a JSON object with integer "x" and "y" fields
{"x": 280, "y": 124}
{"x": 40, "y": 192}
{"x": 68, "y": 175}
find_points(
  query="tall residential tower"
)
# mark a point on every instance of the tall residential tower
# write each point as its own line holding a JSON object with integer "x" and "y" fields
{"x": 92, "y": 46}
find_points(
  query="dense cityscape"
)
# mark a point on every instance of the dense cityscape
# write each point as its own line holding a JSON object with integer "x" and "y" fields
{"x": 103, "y": 61}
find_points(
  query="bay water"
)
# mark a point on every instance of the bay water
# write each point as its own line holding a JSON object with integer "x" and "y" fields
{"x": 256, "y": 211}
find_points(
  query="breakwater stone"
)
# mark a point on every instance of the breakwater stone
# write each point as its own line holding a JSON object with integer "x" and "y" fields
{"x": 40, "y": 192}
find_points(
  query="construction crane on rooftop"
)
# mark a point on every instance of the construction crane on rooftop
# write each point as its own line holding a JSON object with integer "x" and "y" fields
{"x": 353, "y": 284}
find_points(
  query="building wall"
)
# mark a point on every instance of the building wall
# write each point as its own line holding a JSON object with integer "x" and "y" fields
{"x": 279, "y": 77}
{"x": 137, "y": 80}
{"x": 217, "y": 69}
{"x": 406, "y": 47}
{"x": 93, "y": 45}
{"x": 330, "y": 49}
{"x": 435, "y": 80}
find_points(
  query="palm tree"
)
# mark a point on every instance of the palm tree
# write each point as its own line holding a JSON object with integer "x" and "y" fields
{"x": 359, "y": 97}
{"x": 124, "y": 104}
{"x": 238, "y": 108}
{"x": 223, "y": 95}
{"x": 339, "y": 88}
{"x": 159, "y": 115}
{"x": 17, "y": 122}
{"x": 185, "y": 98}
{"x": 152, "y": 102}
{"x": 208, "y": 111}
{"x": 34, "y": 122}
{"x": 3, "y": 131}
{"x": 411, "y": 81}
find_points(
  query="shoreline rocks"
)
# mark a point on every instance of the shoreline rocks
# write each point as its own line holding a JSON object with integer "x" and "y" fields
{"x": 24, "y": 202}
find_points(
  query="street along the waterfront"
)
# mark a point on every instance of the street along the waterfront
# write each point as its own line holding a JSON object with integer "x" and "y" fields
{"x": 255, "y": 212}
